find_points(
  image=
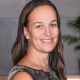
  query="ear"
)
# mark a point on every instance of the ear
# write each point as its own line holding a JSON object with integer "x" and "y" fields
{"x": 26, "y": 33}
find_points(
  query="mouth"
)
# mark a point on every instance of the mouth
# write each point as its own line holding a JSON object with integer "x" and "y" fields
{"x": 47, "y": 40}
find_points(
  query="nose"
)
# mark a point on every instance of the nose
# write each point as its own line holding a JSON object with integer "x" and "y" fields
{"x": 47, "y": 32}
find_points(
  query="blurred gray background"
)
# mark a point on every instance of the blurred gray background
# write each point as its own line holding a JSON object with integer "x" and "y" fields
{"x": 9, "y": 13}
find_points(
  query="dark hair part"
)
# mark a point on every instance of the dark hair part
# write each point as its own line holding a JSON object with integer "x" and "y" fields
{"x": 56, "y": 61}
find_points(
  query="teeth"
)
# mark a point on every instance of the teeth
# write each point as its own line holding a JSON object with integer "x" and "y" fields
{"x": 47, "y": 40}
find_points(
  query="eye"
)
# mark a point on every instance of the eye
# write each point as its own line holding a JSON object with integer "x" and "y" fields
{"x": 53, "y": 25}
{"x": 38, "y": 26}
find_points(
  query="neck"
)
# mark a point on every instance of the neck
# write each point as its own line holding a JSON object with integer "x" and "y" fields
{"x": 40, "y": 59}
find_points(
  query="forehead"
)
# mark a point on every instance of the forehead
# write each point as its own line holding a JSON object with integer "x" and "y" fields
{"x": 43, "y": 11}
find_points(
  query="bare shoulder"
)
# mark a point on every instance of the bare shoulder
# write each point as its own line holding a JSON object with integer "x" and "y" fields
{"x": 22, "y": 76}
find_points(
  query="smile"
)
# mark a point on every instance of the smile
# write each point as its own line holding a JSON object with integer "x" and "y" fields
{"x": 47, "y": 40}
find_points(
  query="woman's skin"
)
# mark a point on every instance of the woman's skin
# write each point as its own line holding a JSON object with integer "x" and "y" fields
{"x": 42, "y": 32}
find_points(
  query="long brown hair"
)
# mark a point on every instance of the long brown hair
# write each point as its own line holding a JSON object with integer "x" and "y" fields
{"x": 56, "y": 61}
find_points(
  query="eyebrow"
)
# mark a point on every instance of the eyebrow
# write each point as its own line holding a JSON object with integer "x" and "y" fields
{"x": 54, "y": 21}
{"x": 42, "y": 22}
{"x": 37, "y": 22}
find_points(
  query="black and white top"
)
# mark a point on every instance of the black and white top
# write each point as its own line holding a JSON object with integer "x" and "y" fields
{"x": 35, "y": 74}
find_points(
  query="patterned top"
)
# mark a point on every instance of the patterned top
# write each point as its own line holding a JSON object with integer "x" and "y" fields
{"x": 35, "y": 74}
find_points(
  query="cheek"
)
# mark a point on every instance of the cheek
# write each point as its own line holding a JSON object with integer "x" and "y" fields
{"x": 34, "y": 35}
{"x": 55, "y": 33}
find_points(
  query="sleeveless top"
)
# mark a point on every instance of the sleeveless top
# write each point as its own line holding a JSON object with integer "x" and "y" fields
{"x": 34, "y": 73}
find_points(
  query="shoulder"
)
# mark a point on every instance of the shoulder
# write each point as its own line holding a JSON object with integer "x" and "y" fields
{"x": 22, "y": 76}
{"x": 19, "y": 73}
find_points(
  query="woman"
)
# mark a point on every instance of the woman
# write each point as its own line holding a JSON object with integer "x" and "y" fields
{"x": 37, "y": 53}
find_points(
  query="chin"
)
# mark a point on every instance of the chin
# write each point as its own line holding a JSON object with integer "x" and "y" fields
{"x": 47, "y": 50}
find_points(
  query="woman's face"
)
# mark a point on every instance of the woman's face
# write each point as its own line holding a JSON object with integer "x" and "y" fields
{"x": 42, "y": 29}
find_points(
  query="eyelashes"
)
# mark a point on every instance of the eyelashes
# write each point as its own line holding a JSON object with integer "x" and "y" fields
{"x": 51, "y": 25}
{"x": 38, "y": 26}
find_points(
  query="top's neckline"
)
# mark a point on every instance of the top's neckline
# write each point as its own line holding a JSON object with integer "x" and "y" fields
{"x": 33, "y": 68}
